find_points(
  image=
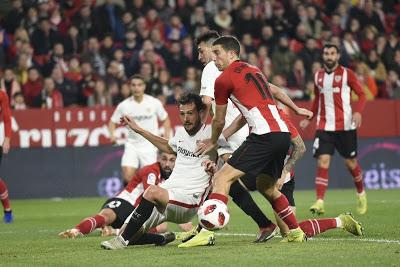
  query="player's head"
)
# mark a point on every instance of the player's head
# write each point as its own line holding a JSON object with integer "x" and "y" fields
{"x": 330, "y": 55}
{"x": 167, "y": 163}
{"x": 204, "y": 43}
{"x": 226, "y": 50}
{"x": 190, "y": 110}
{"x": 138, "y": 85}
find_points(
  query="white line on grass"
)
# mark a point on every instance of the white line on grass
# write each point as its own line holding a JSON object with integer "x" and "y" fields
{"x": 372, "y": 240}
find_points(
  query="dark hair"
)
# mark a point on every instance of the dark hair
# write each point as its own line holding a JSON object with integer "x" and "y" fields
{"x": 137, "y": 77}
{"x": 207, "y": 37}
{"x": 330, "y": 45}
{"x": 188, "y": 98}
{"x": 228, "y": 43}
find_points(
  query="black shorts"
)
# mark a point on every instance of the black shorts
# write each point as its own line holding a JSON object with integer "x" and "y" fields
{"x": 1, "y": 154}
{"x": 262, "y": 154}
{"x": 345, "y": 143}
{"x": 249, "y": 181}
{"x": 122, "y": 209}
{"x": 288, "y": 190}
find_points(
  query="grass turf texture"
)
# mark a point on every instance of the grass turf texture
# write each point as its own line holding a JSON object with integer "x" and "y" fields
{"x": 32, "y": 239}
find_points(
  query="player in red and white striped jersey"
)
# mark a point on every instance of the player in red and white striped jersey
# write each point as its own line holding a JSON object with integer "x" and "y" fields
{"x": 336, "y": 124}
{"x": 4, "y": 148}
{"x": 115, "y": 210}
{"x": 263, "y": 152}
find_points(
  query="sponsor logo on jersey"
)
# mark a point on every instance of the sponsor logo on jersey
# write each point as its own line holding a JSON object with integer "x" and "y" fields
{"x": 186, "y": 152}
{"x": 142, "y": 117}
{"x": 329, "y": 90}
{"x": 338, "y": 78}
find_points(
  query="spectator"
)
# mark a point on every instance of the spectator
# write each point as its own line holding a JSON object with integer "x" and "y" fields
{"x": 389, "y": 52}
{"x": 14, "y": 17}
{"x": 282, "y": 58}
{"x": 84, "y": 22}
{"x": 141, "y": 29}
{"x": 191, "y": 80}
{"x": 158, "y": 43}
{"x": 164, "y": 11}
{"x": 280, "y": 24}
{"x": 44, "y": 38}
{"x": 128, "y": 23}
{"x": 73, "y": 42}
{"x": 367, "y": 82}
{"x": 153, "y": 21}
{"x": 223, "y": 20}
{"x": 175, "y": 30}
{"x": 107, "y": 48}
{"x": 108, "y": 20}
{"x": 86, "y": 85}
{"x": 355, "y": 29}
{"x": 92, "y": 55}
{"x": 268, "y": 37}
{"x": 297, "y": 77}
{"x": 10, "y": 83}
{"x": 377, "y": 68}
{"x": 19, "y": 101}
{"x": 263, "y": 58}
{"x": 393, "y": 84}
{"x": 123, "y": 94}
{"x": 247, "y": 43}
{"x": 33, "y": 86}
{"x": 351, "y": 46}
{"x": 314, "y": 22}
{"x": 342, "y": 11}
{"x": 246, "y": 23}
{"x": 368, "y": 40}
{"x": 176, "y": 61}
{"x": 101, "y": 96}
{"x": 69, "y": 91}
{"x": 309, "y": 54}
{"x": 50, "y": 97}
{"x": 74, "y": 70}
{"x": 177, "y": 91}
{"x": 366, "y": 14}
{"x": 31, "y": 22}
{"x": 57, "y": 59}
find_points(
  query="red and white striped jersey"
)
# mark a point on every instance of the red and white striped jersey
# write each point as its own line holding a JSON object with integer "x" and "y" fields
{"x": 332, "y": 102}
{"x": 248, "y": 89}
{"x": 143, "y": 178}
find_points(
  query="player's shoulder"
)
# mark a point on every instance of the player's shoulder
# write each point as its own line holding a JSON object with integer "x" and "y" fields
{"x": 3, "y": 93}
{"x": 151, "y": 99}
{"x": 125, "y": 102}
{"x": 210, "y": 67}
{"x": 148, "y": 169}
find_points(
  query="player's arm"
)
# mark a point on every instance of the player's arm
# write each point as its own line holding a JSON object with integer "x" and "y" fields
{"x": 314, "y": 108}
{"x": 356, "y": 87}
{"x": 163, "y": 117}
{"x": 167, "y": 127}
{"x": 160, "y": 142}
{"x": 280, "y": 95}
{"x": 207, "y": 101}
{"x": 235, "y": 126}
{"x": 111, "y": 128}
{"x": 299, "y": 148}
{"x": 5, "y": 107}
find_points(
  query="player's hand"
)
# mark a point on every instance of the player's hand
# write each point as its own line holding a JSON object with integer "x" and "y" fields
{"x": 304, "y": 123}
{"x": 204, "y": 146}
{"x": 209, "y": 166}
{"x": 281, "y": 180}
{"x": 6, "y": 145}
{"x": 130, "y": 122}
{"x": 305, "y": 112}
{"x": 357, "y": 119}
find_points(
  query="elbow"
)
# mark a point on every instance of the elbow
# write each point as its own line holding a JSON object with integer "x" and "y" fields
{"x": 302, "y": 149}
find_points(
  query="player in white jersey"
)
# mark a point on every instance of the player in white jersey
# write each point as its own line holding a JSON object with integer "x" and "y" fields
{"x": 178, "y": 199}
{"x": 146, "y": 111}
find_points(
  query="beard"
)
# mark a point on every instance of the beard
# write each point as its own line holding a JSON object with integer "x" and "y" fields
{"x": 330, "y": 64}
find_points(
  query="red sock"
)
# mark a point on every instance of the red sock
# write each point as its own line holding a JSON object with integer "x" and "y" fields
{"x": 89, "y": 224}
{"x": 321, "y": 182}
{"x": 315, "y": 227}
{"x": 221, "y": 197}
{"x": 4, "y": 195}
{"x": 357, "y": 177}
{"x": 282, "y": 208}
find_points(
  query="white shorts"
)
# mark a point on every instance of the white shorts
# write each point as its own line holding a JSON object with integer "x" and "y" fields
{"x": 136, "y": 156}
{"x": 181, "y": 208}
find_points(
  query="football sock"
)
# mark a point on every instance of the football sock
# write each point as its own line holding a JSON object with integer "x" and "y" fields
{"x": 139, "y": 216}
{"x": 315, "y": 227}
{"x": 282, "y": 208}
{"x": 89, "y": 224}
{"x": 321, "y": 182}
{"x": 221, "y": 197}
{"x": 5, "y": 201}
{"x": 243, "y": 199}
{"x": 148, "y": 238}
{"x": 357, "y": 177}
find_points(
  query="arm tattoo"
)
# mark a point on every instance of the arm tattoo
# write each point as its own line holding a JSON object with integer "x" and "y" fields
{"x": 298, "y": 151}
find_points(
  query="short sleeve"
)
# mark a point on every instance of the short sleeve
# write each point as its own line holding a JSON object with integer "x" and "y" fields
{"x": 208, "y": 77}
{"x": 160, "y": 110}
{"x": 172, "y": 142}
{"x": 222, "y": 90}
{"x": 116, "y": 116}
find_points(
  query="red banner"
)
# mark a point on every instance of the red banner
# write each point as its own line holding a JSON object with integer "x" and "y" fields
{"x": 88, "y": 126}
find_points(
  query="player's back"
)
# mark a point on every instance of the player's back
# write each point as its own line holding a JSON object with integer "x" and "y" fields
{"x": 248, "y": 89}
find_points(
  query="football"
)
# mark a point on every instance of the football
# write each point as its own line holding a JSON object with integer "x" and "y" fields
{"x": 213, "y": 214}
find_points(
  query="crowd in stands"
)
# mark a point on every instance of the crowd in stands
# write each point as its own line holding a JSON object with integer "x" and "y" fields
{"x": 62, "y": 53}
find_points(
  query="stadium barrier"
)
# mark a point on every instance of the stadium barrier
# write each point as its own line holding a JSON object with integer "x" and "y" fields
{"x": 66, "y": 153}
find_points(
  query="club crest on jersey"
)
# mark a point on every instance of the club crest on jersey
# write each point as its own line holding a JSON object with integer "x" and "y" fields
{"x": 338, "y": 78}
{"x": 151, "y": 178}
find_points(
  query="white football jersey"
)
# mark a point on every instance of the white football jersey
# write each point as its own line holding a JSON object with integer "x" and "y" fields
{"x": 209, "y": 75}
{"x": 146, "y": 114}
{"x": 188, "y": 173}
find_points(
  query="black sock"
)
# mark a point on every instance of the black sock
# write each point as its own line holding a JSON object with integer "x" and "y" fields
{"x": 243, "y": 199}
{"x": 148, "y": 238}
{"x": 139, "y": 216}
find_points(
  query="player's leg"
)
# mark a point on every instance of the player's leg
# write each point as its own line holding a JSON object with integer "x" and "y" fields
{"x": 239, "y": 192}
{"x": 129, "y": 163}
{"x": 154, "y": 196}
{"x": 287, "y": 190}
{"x": 323, "y": 148}
{"x": 5, "y": 201}
{"x": 347, "y": 148}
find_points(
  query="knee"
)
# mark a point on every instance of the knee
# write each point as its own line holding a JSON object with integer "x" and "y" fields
{"x": 109, "y": 215}
{"x": 324, "y": 162}
{"x": 151, "y": 193}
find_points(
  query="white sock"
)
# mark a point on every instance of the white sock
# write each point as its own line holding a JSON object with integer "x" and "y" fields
{"x": 362, "y": 193}
{"x": 339, "y": 223}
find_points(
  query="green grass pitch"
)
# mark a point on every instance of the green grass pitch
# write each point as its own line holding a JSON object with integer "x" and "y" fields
{"x": 32, "y": 239}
